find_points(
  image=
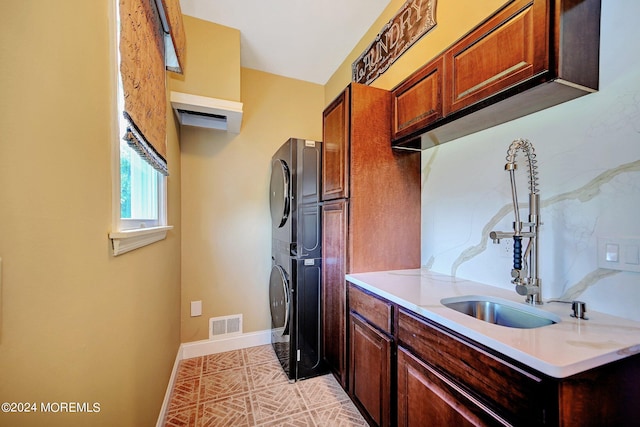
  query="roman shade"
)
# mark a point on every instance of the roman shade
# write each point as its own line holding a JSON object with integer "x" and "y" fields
{"x": 143, "y": 47}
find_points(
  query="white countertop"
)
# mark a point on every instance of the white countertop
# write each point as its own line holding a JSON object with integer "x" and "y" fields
{"x": 559, "y": 350}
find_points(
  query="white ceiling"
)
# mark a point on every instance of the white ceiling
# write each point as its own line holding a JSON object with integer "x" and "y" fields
{"x": 301, "y": 39}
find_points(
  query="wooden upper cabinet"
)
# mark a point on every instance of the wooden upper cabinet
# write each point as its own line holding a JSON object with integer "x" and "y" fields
{"x": 418, "y": 100}
{"x": 507, "y": 49}
{"x": 528, "y": 56}
{"x": 335, "y": 148}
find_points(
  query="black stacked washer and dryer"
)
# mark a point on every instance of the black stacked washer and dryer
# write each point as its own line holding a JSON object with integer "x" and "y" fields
{"x": 294, "y": 285}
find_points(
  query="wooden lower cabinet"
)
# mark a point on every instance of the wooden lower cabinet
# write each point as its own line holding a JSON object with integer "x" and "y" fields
{"x": 469, "y": 384}
{"x": 477, "y": 375}
{"x": 406, "y": 370}
{"x": 371, "y": 356}
{"x": 370, "y": 370}
{"x": 426, "y": 398}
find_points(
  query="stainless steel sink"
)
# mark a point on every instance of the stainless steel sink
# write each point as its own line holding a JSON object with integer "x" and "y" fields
{"x": 501, "y": 312}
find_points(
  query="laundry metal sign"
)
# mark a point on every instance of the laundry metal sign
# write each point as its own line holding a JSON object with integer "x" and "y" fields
{"x": 414, "y": 19}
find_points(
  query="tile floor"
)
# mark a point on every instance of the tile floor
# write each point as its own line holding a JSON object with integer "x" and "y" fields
{"x": 249, "y": 388}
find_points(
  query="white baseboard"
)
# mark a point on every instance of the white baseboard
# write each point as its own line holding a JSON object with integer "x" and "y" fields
{"x": 167, "y": 394}
{"x": 205, "y": 347}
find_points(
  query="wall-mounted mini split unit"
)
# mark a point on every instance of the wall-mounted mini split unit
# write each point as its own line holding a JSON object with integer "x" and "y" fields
{"x": 225, "y": 326}
{"x": 204, "y": 112}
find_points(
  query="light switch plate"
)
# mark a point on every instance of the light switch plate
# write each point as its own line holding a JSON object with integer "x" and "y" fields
{"x": 619, "y": 253}
{"x": 196, "y": 308}
{"x": 612, "y": 252}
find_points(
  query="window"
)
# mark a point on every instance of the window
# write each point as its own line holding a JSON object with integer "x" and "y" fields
{"x": 142, "y": 190}
{"x": 139, "y": 190}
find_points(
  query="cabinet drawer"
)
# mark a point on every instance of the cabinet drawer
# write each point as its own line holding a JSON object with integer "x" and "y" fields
{"x": 508, "y": 49}
{"x": 375, "y": 310}
{"x": 515, "y": 394}
{"x": 428, "y": 398}
{"x": 417, "y": 102}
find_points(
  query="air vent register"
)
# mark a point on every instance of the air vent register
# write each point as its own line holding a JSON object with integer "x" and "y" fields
{"x": 211, "y": 113}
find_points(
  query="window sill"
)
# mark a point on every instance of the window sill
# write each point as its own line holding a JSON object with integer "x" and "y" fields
{"x": 128, "y": 240}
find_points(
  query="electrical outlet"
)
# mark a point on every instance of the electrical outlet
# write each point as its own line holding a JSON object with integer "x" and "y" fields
{"x": 506, "y": 248}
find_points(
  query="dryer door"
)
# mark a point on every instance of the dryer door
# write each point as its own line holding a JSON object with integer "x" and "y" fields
{"x": 279, "y": 193}
{"x": 279, "y": 300}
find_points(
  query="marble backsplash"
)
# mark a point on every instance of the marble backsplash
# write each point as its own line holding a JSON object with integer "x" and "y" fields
{"x": 588, "y": 153}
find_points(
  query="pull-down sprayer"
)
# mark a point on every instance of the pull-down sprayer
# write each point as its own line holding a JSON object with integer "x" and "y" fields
{"x": 531, "y": 284}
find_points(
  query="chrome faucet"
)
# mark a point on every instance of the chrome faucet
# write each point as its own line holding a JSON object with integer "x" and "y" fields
{"x": 529, "y": 286}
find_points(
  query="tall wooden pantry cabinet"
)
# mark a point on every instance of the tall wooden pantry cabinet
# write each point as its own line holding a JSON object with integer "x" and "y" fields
{"x": 370, "y": 206}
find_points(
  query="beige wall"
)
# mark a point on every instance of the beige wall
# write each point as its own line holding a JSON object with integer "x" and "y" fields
{"x": 454, "y": 19}
{"x": 78, "y": 325}
{"x": 226, "y": 226}
{"x": 213, "y": 61}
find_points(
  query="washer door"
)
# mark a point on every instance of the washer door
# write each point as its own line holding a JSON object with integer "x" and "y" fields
{"x": 279, "y": 193}
{"x": 279, "y": 299}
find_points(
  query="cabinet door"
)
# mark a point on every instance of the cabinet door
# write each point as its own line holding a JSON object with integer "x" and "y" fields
{"x": 426, "y": 398}
{"x": 417, "y": 102}
{"x": 335, "y": 148}
{"x": 370, "y": 370}
{"x": 509, "y": 48}
{"x": 480, "y": 372}
{"x": 334, "y": 314}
